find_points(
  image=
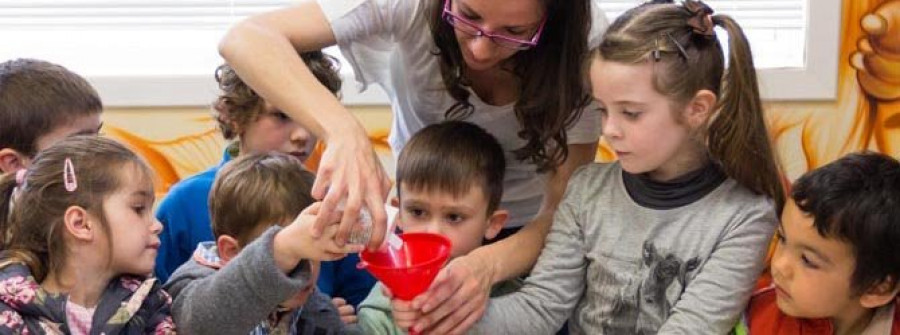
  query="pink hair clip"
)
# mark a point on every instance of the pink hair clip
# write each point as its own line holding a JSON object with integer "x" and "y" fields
{"x": 69, "y": 179}
{"x": 20, "y": 177}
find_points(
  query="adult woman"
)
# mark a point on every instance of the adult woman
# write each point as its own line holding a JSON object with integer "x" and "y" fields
{"x": 514, "y": 67}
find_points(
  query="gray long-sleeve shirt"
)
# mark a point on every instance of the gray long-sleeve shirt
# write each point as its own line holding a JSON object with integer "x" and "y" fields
{"x": 614, "y": 267}
{"x": 237, "y": 297}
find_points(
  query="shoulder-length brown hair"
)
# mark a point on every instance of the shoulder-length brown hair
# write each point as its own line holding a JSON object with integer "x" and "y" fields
{"x": 551, "y": 88}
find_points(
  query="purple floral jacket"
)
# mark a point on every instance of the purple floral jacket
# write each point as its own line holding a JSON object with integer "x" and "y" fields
{"x": 130, "y": 305}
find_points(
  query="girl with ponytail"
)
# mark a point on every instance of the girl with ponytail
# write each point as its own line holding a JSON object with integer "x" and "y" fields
{"x": 672, "y": 236}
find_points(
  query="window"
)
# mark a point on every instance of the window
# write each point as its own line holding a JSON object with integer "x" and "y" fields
{"x": 163, "y": 52}
{"x": 795, "y": 42}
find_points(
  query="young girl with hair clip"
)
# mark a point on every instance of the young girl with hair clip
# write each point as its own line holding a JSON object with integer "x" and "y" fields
{"x": 512, "y": 67}
{"x": 79, "y": 242}
{"x": 671, "y": 238}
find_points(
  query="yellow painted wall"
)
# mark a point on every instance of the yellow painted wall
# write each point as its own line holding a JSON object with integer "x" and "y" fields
{"x": 865, "y": 115}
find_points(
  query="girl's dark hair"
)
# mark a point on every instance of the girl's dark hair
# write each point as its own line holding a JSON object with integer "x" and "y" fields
{"x": 238, "y": 105}
{"x": 687, "y": 61}
{"x": 856, "y": 199}
{"x": 31, "y": 219}
{"x": 552, "y": 92}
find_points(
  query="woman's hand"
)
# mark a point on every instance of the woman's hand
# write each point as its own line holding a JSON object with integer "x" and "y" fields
{"x": 350, "y": 171}
{"x": 456, "y": 299}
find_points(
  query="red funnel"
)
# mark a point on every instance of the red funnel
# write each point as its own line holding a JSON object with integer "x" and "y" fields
{"x": 409, "y": 271}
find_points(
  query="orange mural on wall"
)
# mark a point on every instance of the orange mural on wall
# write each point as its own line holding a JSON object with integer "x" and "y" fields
{"x": 866, "y": 113}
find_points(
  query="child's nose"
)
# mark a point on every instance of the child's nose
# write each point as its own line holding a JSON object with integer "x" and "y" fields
{"x": 300, "y": 135}
{"x": 156, "y": 227}
{"x": 434, "y": 227}
{"x": 610, "y": 128}
{"x": 780, "y": 265}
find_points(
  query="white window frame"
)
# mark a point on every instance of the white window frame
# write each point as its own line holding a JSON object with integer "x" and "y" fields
{"x": 819, "y": 79}
{"x": 816, "y": 81}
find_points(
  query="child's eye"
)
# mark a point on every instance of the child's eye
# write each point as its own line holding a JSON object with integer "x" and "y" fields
{"x": 808, "y": 263}
{"x": 631, "y": 115}
{"x": 602, "y": 111}
{"x": 416, "y": 213}
{"x": 454, "y": 218}
{"x": 140, "y": 209}
{"x": 281, "y": 116}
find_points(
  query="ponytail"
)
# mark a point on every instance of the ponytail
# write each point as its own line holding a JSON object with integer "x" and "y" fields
{"x": 8, "y": 256}
{"x": 738, "y": 136}
{"x": 7, "y": 186}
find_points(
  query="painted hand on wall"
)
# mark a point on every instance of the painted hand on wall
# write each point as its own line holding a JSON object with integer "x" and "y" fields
{"x": 877, "y": 59}
{"x": 877, "y": 65}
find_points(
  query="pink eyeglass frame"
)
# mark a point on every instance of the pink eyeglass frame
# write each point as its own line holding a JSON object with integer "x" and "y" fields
{"x": 482, "y": 33}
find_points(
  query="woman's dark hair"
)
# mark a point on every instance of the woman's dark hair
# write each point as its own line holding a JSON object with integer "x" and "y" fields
{"x": 552, "y": 92}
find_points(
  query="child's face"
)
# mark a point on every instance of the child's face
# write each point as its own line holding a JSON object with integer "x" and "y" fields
{"x": 811, "y": 273}
{"x": 133, "y": 228}
{"x": 301, "y": 297}
{"x": 464, "y": 220}
{"x": 638, "y": 122}
{"x": 275, "y": 131}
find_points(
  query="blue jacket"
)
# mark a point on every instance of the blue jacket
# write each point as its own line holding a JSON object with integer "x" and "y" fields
{"x": 184, "y": 213}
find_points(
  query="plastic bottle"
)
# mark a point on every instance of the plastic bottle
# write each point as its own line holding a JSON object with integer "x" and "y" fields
{"x": 362, "y": 231}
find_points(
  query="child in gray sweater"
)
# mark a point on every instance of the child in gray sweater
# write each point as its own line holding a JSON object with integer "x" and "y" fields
{"x": 671, "y": 238}
{"x": 259, "y": 275}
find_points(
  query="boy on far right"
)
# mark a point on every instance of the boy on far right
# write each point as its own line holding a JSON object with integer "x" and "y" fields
{"x": 837, "y": 264}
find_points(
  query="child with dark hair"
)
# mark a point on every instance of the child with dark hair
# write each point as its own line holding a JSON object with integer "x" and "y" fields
{"x": 258, "y": 275}
{"x": 42, "y": 103}
{"x": 449, "y": 182}
{"x": 836, "y": 267}
{"x": 256, "y": 127}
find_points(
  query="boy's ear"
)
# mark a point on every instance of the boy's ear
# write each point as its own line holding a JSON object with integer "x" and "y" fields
{"x": 395, "y": 202}
{"x": 12, "y": 161}
{"x": 495, "y": 223}
{"x": 79, "y": 224}
{"x": 880, "y": 294}
{"x": 228, "y": 248}
{"x": 700, "y": 108}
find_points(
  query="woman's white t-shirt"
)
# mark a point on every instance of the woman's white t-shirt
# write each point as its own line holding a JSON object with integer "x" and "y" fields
{"x": 389, "y": 43}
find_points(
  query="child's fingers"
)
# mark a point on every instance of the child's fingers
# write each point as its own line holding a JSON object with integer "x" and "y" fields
{"x": 333, "y": 248}
{"x": 338, "y": 302}
{"x": 349, "y": 319}
{"x": 404, "y": 315}
{"x": 346, "y": 311}
{"x": 312, "y": 209}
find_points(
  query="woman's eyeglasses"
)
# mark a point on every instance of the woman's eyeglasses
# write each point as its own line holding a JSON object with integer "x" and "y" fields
{"x": 473, "y": 29}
